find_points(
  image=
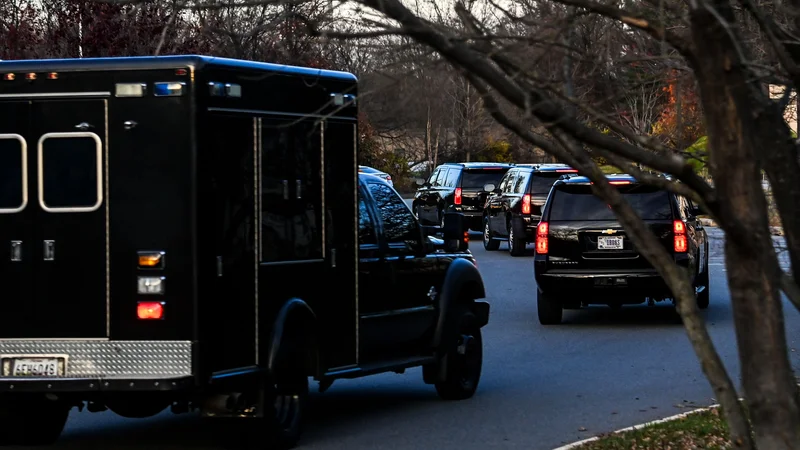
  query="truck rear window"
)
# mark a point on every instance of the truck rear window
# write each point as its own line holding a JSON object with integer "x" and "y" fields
{"x": 541, "y": 182}
{"x": 578, "y": 203}
{"x": 476, "y": 179}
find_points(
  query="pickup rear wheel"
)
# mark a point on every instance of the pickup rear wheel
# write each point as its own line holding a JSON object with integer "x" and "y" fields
{"x": 550, "y": 310}
{"x": 31, "y": 419}
{"x": 489, "y": 243}
{"x": 464, "y": 363}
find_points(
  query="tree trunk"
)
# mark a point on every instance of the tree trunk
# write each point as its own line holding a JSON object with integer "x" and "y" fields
{"x": 753, "y": 274}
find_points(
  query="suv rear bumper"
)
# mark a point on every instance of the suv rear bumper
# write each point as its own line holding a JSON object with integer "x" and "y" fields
{"x": 99, "y": 365}
{"x": 573, "y": 284}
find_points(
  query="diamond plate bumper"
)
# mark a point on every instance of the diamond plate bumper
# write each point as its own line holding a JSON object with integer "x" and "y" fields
{"x": 98, "y": 364}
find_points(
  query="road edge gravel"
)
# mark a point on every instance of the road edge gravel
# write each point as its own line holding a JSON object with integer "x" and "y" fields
{"x": 577, "y": 444}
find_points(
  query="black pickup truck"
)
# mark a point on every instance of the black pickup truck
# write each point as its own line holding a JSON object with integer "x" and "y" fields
{"x": 223, "y": 247}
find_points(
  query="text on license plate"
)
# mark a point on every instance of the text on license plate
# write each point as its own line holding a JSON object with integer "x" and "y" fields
{"x": 33, "y": 367}
{"x": 609, "y": 243}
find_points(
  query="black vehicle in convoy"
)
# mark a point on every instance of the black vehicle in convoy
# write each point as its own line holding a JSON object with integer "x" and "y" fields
{"x": 583, "y": 255}
{"x": 457, "y": 187}
{"x": 514, "y": 206}
{"x": 192, "y": 232}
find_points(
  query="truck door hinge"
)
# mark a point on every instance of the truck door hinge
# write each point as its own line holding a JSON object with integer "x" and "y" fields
{"x": 49, "y": 250}
{"x": 16, "y": 251}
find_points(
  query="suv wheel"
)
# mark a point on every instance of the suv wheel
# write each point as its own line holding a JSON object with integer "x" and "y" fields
{"x": 549, "y": 309}
{"x": 516, "y": 246}
{"x": 489, "y": 243}
{"x": 704, "y": 296}
{"x": 464, "y": 363}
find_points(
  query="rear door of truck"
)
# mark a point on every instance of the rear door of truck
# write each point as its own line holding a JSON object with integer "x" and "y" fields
{"x": 53, "y": 215}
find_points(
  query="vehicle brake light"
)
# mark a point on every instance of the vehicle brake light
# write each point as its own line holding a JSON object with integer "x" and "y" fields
{"x": 542, "y": 232}
{"x": 567, "y": 170}
{"x": 619, "y": 182}
{"x": 9, "y": 77}
{"x": 526, "y": 204}
{"x": 458, "y": 196}
{"x": 150, "y": 310}
{"x": 680, "y": 243}
{"x": 30, "y": 76}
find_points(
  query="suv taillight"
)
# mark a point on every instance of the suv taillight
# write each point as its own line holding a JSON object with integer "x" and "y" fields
{"x": 541, "y": 238}
{"x": 458, "y": 196}
{"x": 526, "y": 204}
{"x": 679, "y": 230}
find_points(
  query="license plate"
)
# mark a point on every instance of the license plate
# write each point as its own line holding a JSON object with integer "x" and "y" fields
{"x": 609, "y": 242}
{"x": 34, "y": 367}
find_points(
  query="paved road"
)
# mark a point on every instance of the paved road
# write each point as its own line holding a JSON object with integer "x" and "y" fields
{"x": 541, "y": 386}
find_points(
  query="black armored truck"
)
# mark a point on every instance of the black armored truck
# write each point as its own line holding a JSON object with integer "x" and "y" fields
{"x": 192, "y": 232}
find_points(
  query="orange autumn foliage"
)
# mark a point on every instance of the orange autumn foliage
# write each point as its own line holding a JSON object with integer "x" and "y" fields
{"x": 691, "y": 126}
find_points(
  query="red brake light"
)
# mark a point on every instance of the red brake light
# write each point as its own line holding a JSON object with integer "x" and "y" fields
{"x": 150, "y": 310}
{"x": 619, "y": 182}
{"x": 541, "y": 238}
{"x": 458, "y": 196}
{"x": 567, "y": 170}
{"x": 680, "y": 244}
{"x": 526, "y": 204}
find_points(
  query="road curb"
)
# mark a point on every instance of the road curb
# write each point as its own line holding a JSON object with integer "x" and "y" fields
{"x": 577, "y": 444}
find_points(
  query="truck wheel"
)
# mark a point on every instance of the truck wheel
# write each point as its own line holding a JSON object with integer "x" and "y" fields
{"x": 516, "y": 246}
{"x": 464, "y": 363}
{"x": 285, "y": 414}
{"x": 43, "y": 419}
{"x": 549, "y": 309}
{"x": 489, "y": 243}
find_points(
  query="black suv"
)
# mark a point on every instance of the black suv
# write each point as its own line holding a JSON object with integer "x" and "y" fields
{"x": 584, "y": 257}
{"x": 514, "y": 207}
{"x": 457, "y": 187}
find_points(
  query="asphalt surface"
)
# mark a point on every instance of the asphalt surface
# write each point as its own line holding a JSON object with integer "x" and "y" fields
{"x": 541, "y": 386}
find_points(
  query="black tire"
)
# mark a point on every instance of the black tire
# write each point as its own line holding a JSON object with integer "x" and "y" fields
{"x": 31, "y": 420}
{"x": 286, "y": 402}
{"x": 550, "y": 311}
{"x": 704, "y": 296}
{"x": 489, "y": 243}
{"x": 516, "y": 246}
{"x": 464, "y": 363}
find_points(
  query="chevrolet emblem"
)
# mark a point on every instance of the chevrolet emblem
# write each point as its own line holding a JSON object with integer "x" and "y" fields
{"x": 609, "y": 231}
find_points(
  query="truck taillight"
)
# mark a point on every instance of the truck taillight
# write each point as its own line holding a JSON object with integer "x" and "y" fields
{"x": 542, "y": 232}
{"x": 151, "y": 260}
{"x": 679, "y": 230}
{"x": 458, "y": 196}
{"x": 526, "y": 204}
{"x": 150, "y": 310}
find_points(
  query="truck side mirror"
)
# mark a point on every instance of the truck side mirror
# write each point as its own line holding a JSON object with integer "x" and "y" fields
{"x": 456, "y": 234}
{"x": 489, "y": 187}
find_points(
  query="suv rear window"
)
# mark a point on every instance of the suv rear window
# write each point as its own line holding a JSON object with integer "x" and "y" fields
{"x": 578, "y": 203}
{"x": 541, "y": 182}
{"x": 476, "y": 179}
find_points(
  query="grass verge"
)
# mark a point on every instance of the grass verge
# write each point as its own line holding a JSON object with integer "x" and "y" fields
{"x": 702, "y": 430}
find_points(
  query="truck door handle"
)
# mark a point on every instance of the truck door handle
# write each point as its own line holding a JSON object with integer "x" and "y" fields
{"x": 49, "y": 250}
{"x": 16, "y": 251}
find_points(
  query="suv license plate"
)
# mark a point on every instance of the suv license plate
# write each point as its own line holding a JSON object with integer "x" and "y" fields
{"x": 609, "y": 242}
{"x": 34, "y": 367}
